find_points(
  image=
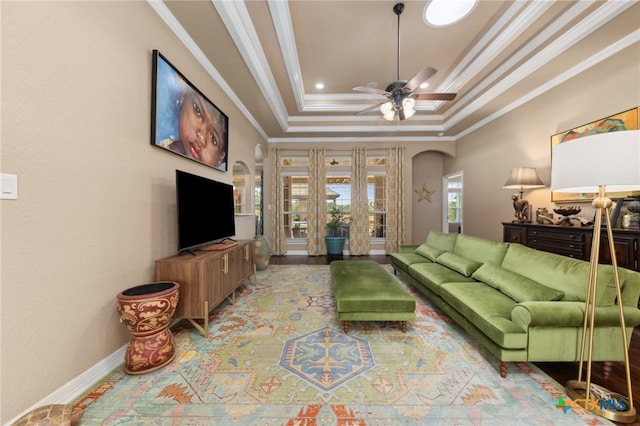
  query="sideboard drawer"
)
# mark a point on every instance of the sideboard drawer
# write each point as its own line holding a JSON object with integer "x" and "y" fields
{"x": 569, "y": 235}
{"x": 558, "y": 247}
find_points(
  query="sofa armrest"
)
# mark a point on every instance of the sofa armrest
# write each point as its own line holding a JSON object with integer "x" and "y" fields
{"x": 555, "y": 313}
{"x": 569, "y": 314}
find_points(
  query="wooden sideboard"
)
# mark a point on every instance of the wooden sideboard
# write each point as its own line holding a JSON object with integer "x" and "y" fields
{"x": 574, "y": 241}
{"x": 206, "y": 279}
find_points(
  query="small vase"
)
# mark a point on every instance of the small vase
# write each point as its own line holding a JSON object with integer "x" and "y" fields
{"x": 147, "y": 311}
{"x": 262, "y": 252}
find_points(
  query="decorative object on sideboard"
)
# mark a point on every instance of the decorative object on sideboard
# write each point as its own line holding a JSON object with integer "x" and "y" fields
{"x": 608, "y": 162}
{"x": 634, "y": 208}
{"x": 147, "y": 311}
{"x": 566, "y": 214}
{"x": 522, "y": 178}
{"x": 542, "y": 216}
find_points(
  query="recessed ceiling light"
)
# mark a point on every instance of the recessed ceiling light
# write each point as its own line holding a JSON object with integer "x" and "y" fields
{"x": 440, "y": 13}
{"x": 319, "y": 86}
{"x": 424, "y": 85}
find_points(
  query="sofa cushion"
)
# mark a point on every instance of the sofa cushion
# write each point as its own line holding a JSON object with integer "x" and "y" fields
{"x": 403, "y": 260}
{"x": 458, "y": 263}
{"x": 516, "y": 286}
{"x": 480, "y": 249}
{"x": 488, "y": 309}
{"x": 432, "y": 275}
{"x": 563, "y": 273}
{"x": 442, "y": 241}
{"x": 429, "y": 252}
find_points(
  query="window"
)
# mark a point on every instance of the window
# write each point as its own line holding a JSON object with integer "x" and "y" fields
{"x": 339, "y": 197}
{"x": 454, "y": 202}
{"x": 295, "y": 183}
{"x": 296, "y": 192}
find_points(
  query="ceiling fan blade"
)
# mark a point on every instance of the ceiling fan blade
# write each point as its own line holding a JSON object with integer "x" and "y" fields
{"x": 369, "y": 109}
{"x": 436, "y": 96}
{"x": 419, "y": 78}
{"x": 366, "y": 89}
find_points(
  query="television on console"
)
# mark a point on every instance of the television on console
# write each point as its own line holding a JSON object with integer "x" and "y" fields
{"x": 206, "y": 213}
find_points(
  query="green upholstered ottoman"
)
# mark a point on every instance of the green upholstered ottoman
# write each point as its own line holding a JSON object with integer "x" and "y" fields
{"x": 364, "y": 291}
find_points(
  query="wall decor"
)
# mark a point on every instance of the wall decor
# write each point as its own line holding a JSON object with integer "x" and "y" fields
{"x": 184, "y": 120}
{"x": 626, "y": 120}
{"x": 424, "y": 193}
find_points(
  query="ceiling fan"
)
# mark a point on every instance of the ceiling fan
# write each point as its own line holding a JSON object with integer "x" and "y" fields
{"x": 402, "y": 94}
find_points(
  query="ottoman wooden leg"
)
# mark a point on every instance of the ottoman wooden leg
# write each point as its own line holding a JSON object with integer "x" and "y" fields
{"x": 345, "y": 326}
{"x": 404, "y": 326}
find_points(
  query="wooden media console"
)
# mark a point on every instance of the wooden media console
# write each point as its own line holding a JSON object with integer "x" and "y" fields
{"x": 206, "y": 279}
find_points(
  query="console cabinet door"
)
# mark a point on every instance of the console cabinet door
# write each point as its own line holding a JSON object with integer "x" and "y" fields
{"x": 515, "y": 234}
{"x": 625, "y": 246}
{"x": 209, "y": 276}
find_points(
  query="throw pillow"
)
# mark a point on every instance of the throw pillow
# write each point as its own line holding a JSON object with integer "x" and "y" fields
{"x": 429, "y": 252}
{"x": 458, "y": 263}
{"x": 514, "y": 285}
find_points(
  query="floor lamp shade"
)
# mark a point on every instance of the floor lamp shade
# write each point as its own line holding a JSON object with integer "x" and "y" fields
{"x": 583, "y": 164}
{"x": 599, "y": 163}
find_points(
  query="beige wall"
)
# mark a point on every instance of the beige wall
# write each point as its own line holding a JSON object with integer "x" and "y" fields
{"x": 426, "y": 170}
{"x": 522, "y": 138}
{"x": 96, "y": 201}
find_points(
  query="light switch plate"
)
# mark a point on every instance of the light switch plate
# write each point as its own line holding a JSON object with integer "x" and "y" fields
{"x": 9, "y": 189}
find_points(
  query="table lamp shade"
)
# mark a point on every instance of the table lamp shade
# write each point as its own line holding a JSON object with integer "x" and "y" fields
{"x": 523, "y": 178}
{"x": 584, "y": 164}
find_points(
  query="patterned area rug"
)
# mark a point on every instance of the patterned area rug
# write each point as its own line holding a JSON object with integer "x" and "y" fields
{"x": 279, "y": 357}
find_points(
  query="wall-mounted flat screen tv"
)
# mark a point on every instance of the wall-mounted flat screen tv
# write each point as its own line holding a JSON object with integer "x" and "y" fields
{"x": 206, "y": 212}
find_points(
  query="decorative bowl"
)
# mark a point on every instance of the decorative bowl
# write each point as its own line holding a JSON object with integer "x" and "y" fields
{"x": 568, "y": 211}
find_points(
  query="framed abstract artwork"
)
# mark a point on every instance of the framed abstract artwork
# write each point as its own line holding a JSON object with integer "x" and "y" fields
{"x": 183, "y": 120}
{"x": 625, "y": 120}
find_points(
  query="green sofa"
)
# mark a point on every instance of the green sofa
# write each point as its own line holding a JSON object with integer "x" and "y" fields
{"x": 520, "y": 303}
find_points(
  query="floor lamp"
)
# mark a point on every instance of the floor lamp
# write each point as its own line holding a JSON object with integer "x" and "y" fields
{"x": 600, "y": 163}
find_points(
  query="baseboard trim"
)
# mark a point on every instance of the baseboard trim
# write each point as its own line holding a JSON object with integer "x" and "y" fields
{"x": 76, "y": 387}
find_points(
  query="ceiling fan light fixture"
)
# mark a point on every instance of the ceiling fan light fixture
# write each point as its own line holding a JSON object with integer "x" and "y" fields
{"x": 387, "y": 110}
{"x": 440, "y": 13}
{"x": 386, "y": 107}
{"x": 408, "y": 103}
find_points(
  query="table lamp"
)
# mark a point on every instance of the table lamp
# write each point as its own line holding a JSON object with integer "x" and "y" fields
{"x": 599, "y": 163}
{"x": 522, "y": 178}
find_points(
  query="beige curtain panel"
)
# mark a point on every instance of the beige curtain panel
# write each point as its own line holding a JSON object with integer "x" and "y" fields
{"x": 359, "y": 228}
{"x": 395, "y": 235}
{"x": 277, "y": 240}
{"x": 317, "y": 203}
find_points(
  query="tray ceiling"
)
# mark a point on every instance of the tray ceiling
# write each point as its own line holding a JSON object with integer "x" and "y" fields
{"x": 268, "y": 57}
